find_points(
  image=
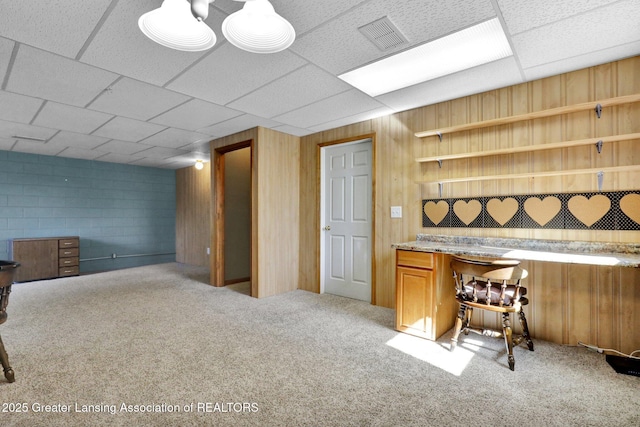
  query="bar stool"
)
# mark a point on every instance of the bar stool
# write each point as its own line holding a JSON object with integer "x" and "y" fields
{"x": 492, "y": 286}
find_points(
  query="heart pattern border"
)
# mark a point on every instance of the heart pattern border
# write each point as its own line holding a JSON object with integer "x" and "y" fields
{"x": 621, "y": 214}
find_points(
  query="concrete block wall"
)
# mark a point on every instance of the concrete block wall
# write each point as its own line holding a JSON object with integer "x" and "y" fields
{"x": 114, "y": 208}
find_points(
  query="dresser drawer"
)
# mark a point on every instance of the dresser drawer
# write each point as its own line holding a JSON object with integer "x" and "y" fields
{"x": 68, "y": 262}
{"x": 69, "y": 252}
{"x": 68, "y": 243}
{"x": 68, "y": 271}
{"x": 415, "y": 259}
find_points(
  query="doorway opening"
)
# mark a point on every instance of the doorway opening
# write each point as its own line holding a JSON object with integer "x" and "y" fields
{"x": 232, "y": 258}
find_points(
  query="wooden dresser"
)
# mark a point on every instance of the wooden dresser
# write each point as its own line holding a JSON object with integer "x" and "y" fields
{"x": 46, "y": 258}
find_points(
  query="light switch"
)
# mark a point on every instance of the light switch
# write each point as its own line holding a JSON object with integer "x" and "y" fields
{"x": 396, "y": 211}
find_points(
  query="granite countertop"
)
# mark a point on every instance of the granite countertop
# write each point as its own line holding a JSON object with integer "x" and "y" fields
{"x": 572, "y": 252}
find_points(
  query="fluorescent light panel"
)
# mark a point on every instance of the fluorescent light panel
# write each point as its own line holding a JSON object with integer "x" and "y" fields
{"x": 477, "y": 45}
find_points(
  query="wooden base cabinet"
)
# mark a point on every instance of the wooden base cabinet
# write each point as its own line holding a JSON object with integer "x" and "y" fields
{"x": 46, "y": 258}
{"x": 425, "y": 294}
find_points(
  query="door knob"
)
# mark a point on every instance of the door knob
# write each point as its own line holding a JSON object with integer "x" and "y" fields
{"x": 326, "y": 228}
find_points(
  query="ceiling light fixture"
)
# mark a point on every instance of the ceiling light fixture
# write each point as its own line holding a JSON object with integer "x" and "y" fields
{"x": 199, "y": 165}
{"x": 257, "y": 28}
{"x": 179, "y": 26}
{"x": 477, "y": 45}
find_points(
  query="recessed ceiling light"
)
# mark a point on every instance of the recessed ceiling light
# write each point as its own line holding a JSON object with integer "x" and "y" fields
{"x": 477, "y": 45}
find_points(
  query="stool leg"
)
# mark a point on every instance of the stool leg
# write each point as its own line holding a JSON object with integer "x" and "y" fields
{"x": 506, "y": 327}
{"x": 467, "y": 321}
{"x": 462, "y": 312}
{"x": 4, "y": 359}
{"x": 525, "y": 330}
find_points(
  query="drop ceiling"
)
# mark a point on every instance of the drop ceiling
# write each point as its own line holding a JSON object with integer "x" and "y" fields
{"x": 79, "y": 79}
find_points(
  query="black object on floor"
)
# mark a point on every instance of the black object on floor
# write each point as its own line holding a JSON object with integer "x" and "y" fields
{"x": 624, "y": 365}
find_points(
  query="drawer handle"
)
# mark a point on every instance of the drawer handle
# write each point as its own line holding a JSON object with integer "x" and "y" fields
{"x": 68, "y": 243}
{"x": 67, "y": 252}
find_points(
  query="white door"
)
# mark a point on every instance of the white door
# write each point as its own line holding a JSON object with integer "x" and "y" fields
{"x": 346, "y": 220}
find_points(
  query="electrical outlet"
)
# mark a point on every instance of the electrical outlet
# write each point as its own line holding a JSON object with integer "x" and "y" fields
{"x": 208, "y": 251}
{"x": 396, "y": 211}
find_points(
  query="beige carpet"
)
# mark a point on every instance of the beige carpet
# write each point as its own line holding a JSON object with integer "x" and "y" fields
{"x": 157, "y": 346}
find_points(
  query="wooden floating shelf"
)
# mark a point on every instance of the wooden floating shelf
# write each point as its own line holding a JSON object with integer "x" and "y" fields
{"x": 530, "y": 148}
{"x": 632, "y": 168}
{"x": 535, "y": 115}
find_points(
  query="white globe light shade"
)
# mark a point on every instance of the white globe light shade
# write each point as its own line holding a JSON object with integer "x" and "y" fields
{"x": 257, "y": 28}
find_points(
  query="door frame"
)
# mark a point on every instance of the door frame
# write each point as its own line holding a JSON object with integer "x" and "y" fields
{"x": 218, "y": 239}
{"x": 319, "y": 148}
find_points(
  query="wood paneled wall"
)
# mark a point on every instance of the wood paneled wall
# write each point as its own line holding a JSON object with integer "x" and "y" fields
{"x": 599, "y": 305}
{"x": 275, "y": 177}
{"x": 193, "y": 195}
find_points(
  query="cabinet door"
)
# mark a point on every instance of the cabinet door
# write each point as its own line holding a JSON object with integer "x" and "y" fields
{"x": 38, "y": 259}
{"x": 414, "y": 304}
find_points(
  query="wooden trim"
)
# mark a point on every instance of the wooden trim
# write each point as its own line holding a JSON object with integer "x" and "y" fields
{"x": 239, "y": 280}
{"x": 218, "y": 210}
{"x": 530, "y": 148}
{"x": 531, "y": 116}
{"x": 218, "y": 223}
{"x": 632, "y": 168}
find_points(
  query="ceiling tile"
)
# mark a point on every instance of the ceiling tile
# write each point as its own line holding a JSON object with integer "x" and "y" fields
{"x": 65, "y": 139}
{"x": 80, "y": 153}
{"x": 137, "y": 100}
{"x": 356, "y": 118}
{"x": 341, "y": 105}
{"x": 582, "y": 61}
{"x": 45, "y": 24}
{"x": 418, "y": 20}
{"x": 74, "y": 119}
{"x": 190, "y": 158}
{"x": 292, "y": 130}
{"x": 156, "y": 163}
{"x": 579, "y": 35}
{"x": 175, "y": 138}
{"x": 215, "y": 78}
{"x": 200, "y": 147}
{"x": 18, "y": 108}
{"x": 121, "y": 47}
{"x": 9, "y": 129}
{"x": 195, "y": 114}
{"x": 238, "y": 124}
{"x": 126, "y": 129}
{"x": 307, "y": 15}
{"x": 297, "y": 89}
{"x": 501, "y": 73}
{"x": 525, "y": 15}
{"x": 162, "y": 152}
{"x": 6, "y": 143}
{"x": 37, "y": 148}
{"x": 45, "y": 75}
{"x": 6, "y": 47}
{"x": 118, "y": 158}
{"x": 122, "y": 147}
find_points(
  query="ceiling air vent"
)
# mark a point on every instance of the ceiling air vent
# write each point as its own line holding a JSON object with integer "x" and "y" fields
{"x": 383, "y": 34}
